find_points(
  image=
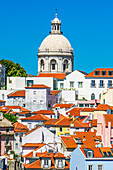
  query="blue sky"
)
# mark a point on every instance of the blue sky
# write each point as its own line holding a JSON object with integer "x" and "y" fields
{"x": 88, "y": 25}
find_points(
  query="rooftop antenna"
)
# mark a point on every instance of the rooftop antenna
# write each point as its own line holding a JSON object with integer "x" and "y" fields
{"x": 56, "y": 13}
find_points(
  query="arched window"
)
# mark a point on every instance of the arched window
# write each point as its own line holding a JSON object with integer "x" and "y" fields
{"x": 53, "y": 64}
{"x": 65, "y": 65}
{"x": 42, "y": 65}
{"x": 92, "y": 96}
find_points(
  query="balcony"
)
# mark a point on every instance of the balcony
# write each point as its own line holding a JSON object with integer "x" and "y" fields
{"x": 101, "y": 85}
{"x": 93, "y": 85}
{"x": 109, "y": 85}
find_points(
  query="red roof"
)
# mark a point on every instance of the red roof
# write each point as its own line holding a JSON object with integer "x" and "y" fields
{"x": 63, "y": 105}
{"x": 59, "y": 76}
{"x": 74, "y": 112}
{"x": 37, "y": 86}
{"x": 20, "y": 93}
{"x": 19, "y": 127}
{"x": 92, "y": 74}
{"x": 15, "y": 107}
{"x": 37, "y": 145}
{"x": 37, "y": 117}
{"x": 55, "y": 92}
{"x": 104, "y": 107}
{"x": 96, "y": 152}
{"x": 2, "y": 101}
{"x": 45, "y": 112}
{"x": 88, "y": 109}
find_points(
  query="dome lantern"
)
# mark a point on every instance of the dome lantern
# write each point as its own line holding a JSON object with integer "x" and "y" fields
{"x": 55, "y": 25}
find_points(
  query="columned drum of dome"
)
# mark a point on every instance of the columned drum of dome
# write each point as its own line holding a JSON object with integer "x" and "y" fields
{"x": 55, "y": 54}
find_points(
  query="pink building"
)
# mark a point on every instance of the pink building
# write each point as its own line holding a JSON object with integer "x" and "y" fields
{"x": 105, "y": 128}
{"x": 88, "y": 103}
{"x": 6, "y": 135}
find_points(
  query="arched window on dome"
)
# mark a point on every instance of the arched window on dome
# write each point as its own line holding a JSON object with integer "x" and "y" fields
{"x": 53, "y": 64}
{"x": 42, "y": 65}
{"x": 65, "y": 65}
{"x": 92, "y": 96}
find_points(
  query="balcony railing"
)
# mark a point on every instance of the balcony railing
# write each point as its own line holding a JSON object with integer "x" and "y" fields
{"x": 109, "y": 85}
{"x": 101, "y": 85}
{"x": 93, "y": 85}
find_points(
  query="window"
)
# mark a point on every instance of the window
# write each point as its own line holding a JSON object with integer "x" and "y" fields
{"x": 96, "y": 73}
{"x": 92, "y": 96}
{"x": 89, "y": 154}
{"x": 103, "y": 73}
{"x": 45, "y": 163}
{"x": 34, "y": 102}
{"x": 29, "y": 82}
{"x": 60, "y": 129}
{"x": 41, "y": 102}
{"x": 61, "y": 85}
{"x": 7, "y": 130}
{"x": 92, "y": 83}
{"x": 53, "y": 64}
{"x": 90, "y": 167}
{"x": 101, "y": 83}
{"x": 42, "y": 65}
{"x": 65, "y": 65}
{"x": 67, "y": 129}
{"x": 34, "y": 92}
{"x": 100, "y": 167}
{"x": 86, "y": 105}
{"x": 81, "y": 105}
{"x": 71, "y": 84}
{"x": 103, "y": 101}
{"x": 109, "y": 83}
{"x": 60, "y": 164}
{"x": 7, "y": 140}
{"x": 16, "y": 146}
{"x": 110, "y": 73}
{"x": 80, "y": 84}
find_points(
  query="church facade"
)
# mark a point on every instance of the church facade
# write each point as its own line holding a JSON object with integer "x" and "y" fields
{"x": 55, "y": 54}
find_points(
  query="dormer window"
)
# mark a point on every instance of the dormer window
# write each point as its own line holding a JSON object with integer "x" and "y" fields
{"x": 110, "y": 73}
{"x": 96, "y": 73}
{"x": 46, "y": 163}
{"x": 103, "y": 73}
{"x": 89, "y": 154}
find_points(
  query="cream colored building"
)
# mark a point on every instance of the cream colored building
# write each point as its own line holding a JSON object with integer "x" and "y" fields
{"x": 107, "y": 97}
{"x": 55, "y": 54}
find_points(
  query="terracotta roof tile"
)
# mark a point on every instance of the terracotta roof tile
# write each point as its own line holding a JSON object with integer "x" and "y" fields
{"x": 19, "y": 93}
{"x": 63, "y": 105}
{"x": 37, "y": 86}
{"x": 55, "y": 92}
{"x": 45, "y": 112}
{"x": 92, "y": 74}
{"x": 19, "y": 127}
{"x": 37, "y": 117}
{"x": 88, "y": 110}
{"x": 74, "y": 112}
{"x": 96, "y": 152}
{"x": 59, "y": 76}
{"x": 103, "y": 107}
{"x": 37, "y": 145}
{"x": 108, "y": 118}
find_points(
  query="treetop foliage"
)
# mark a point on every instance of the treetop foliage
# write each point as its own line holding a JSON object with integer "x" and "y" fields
{"x": 13, "y": 69}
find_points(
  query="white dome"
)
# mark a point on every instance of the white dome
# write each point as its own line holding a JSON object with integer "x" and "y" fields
{"x": 55, "y": 44}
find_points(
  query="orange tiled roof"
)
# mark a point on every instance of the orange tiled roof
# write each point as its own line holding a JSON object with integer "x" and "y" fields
{"x": 103, "y": 107}
{"x": 108, "y": 118}
{"x": 45, "y": 112}
{"x": 19, "y": 127}
{"x": 94, "y": 123}
{"x": 2, "y": 101}
{"x": 55, "y": 92}
{"x": 96, "y": 152}
{"x": 37, "y": 117}
{"x": 37, "y": 86}
{"x": 79, "y": 124}
{"x": 59, "y": 76}
{"x": 34, "y": 165}
{"x": 63, "y": 105}
{"x": 88, "y": 110}
{"x": 74, "y": 112}
{"x": 19, "y": 93}
{"x": 88, "y": 139}
{"x": 92, "y": 74}
{"x": 16, "y": 107}
{"x": 37, "y": 145}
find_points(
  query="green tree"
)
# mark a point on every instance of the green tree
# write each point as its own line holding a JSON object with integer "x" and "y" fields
{"x": 13, "y": 69}
{"x": 10, "y": 117}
